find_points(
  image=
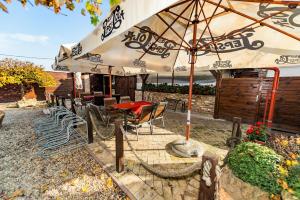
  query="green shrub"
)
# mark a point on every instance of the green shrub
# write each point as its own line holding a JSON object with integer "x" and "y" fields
{"x": 293, "y": 179}
{"x": 197, "y": 89}
{"x": 257, "y": 165}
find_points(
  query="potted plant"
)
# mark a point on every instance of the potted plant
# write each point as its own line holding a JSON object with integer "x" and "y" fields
{"x": 257, "y": 133}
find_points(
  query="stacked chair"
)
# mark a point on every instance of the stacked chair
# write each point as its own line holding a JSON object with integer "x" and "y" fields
{"x": 59, "y": 132}
{"x": 125, "y": 99}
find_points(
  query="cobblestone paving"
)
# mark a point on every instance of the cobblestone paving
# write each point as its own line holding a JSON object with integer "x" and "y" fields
{"x": 204, "y": 128}
{"x": 154, "y": 150}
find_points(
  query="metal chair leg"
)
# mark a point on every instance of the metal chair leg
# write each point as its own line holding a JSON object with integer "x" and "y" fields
{"x": 151, "y": 127}
{"x": 107, "y": 122}
{"x": 137, "y": 132}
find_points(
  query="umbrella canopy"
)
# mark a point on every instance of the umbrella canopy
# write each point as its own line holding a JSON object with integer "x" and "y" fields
{"x": 158, "y": 35}
{"x": 90, "y": 64}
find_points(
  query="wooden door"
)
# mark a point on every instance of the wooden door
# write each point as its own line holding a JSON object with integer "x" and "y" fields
{"x": 126, "y": 86}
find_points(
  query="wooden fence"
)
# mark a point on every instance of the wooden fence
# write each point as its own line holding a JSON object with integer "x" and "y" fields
{"x": 246, "y": 98}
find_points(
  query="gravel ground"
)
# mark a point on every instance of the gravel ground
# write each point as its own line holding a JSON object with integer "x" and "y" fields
{"x": 74, "y": 175}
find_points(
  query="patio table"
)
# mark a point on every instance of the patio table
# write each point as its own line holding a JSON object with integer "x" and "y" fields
{"x": 135, "y": 107}
{"x": 88, "y": 97}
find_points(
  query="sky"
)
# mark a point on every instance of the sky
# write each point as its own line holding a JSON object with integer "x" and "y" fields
{"x": 35, "y": 31}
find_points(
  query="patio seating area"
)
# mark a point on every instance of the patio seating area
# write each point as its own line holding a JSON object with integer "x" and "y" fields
{"x": 147, "y": 144}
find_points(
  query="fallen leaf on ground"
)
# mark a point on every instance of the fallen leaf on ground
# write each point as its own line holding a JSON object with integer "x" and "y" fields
{"x": 109, "y": 183}
{"x": 74, "y": 182}
{"x": 64, "y": 174}
{"x": 102, "y": 177}
{"x": 85, "y": 188}
{"x": 17, "y": 193}
{"x": 44, "y": 188}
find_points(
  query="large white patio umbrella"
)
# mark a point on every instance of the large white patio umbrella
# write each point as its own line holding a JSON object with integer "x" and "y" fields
{"x": 186, "y": 34}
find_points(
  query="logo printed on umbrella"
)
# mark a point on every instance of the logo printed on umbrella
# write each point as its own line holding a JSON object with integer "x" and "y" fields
{"x": 113, "y": 22}
{"x": 93, "y": 57}
{"x": 62, "y": 68}
{"x": 64, "y": 57}
{"x": 286, "y": 19}
{"x": 76, "y": 50}
{"x": 222, "y": 64}
{"x": 119, "y": 73}
{"x": 143, "y": 70}
{"x": 288, "y": 59}
{"x": 231, "y": 43}
{"x": 127, "y": 73}
{"x": 181, "y": 69}
{"x": 139, "y": 63}
{"x": 145, "y": 38}
{"x": 96, "y": 70}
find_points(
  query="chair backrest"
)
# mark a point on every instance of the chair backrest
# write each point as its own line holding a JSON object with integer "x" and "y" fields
{"x": 98, "y": 93}
{"x": 149, "y": 97}
{"x": 160, "y": 109}
{"x": 109, "y": 102}
{"x": 146, "y": 113}
{"x": 97, "y": 111}
{"x": 125, "y": 99}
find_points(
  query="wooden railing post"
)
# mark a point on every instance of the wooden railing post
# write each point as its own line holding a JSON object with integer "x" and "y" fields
{"x": 119, "y": 147}
{"x": 52, "y": 97}
{"x": 208, "y": 187}
{"x": 57, "y": 100}
{"x": 90, "y": 125}
{"x": 236, "y": 135}
{"x": 63, "y": 101}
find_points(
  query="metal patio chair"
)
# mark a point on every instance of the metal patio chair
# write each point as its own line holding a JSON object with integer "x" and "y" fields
{"x": 159, "y": 112}
{"x": 144, "y": 117}
{"x": 62, "y": 135}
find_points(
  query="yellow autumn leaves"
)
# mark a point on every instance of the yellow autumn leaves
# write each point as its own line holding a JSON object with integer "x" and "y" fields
{"x": 19, "y": 72}
{"x": 91, "y": 6}
{"x": 284, "y": 171}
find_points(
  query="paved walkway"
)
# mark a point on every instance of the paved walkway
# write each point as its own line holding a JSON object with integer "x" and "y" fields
{"x": 153, "y": 149}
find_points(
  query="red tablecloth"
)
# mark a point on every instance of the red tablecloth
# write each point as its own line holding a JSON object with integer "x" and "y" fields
{"x": 88, "y": 97}
{"x": 135, "y": 107}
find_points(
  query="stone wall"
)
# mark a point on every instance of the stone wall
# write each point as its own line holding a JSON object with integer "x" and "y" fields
{"x": 201, "y": 103}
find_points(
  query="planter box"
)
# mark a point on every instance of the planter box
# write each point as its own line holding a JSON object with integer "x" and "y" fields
{"x": 233, "y": 188}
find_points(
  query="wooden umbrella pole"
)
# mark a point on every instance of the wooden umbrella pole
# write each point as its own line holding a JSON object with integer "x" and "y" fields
{"x": 110, "y": 82}
{"x": 193, "y": 51}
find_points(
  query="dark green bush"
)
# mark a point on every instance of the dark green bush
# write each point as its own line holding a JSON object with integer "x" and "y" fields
{"x": 197, "y": 89}
{"x": 257, "y": 165}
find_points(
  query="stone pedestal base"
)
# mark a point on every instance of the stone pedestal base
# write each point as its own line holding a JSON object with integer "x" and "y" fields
{"x": 187, "y": 149}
